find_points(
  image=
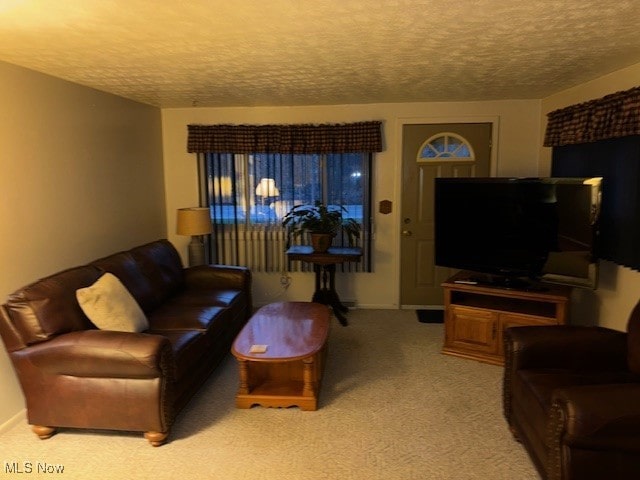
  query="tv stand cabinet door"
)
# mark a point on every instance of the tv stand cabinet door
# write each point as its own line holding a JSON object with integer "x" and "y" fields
{"x": 472, "y": 333}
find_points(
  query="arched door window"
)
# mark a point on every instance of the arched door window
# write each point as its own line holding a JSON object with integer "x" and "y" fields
{"x": 446, "y": 146}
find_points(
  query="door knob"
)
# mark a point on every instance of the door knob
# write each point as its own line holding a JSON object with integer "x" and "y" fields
{"x": 407, "y": 233}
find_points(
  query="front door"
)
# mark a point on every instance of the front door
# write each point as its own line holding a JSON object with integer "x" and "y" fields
{"x": 430, "y": 151}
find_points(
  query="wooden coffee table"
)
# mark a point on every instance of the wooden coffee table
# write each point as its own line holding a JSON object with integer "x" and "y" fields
{"x": 281, "y": 352}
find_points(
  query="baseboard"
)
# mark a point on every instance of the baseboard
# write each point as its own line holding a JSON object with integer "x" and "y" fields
{"x": 422, "y": 307}
{"x": 19, "y": 417}
{"x": 347, "y": 303}
{"x": 373, "y": 306}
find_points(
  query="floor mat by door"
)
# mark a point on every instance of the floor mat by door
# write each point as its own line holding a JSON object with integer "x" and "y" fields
{"x": 430, "y": 316}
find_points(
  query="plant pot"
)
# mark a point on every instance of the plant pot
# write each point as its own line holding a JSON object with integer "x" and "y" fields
{"x": 320, "y": 242}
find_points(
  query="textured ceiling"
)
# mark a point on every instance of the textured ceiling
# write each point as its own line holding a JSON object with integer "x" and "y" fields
{"x": 174, "y": 53}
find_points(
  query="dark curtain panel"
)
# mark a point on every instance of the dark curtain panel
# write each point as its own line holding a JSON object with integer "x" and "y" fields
{"x": 617, "y": 160}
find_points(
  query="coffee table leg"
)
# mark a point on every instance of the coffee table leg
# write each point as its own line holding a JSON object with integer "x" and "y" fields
{"x": 308, "y": 377}
{"x": 244, "y": 377}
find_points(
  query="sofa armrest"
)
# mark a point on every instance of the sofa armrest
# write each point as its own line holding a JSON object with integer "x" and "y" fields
{"x": 600, "y": 417}
{"x": 565, "y": 346}
{"x": 218, "y": 276}
{"x": 9, "y": 333}
{"x": 102, "y": 354}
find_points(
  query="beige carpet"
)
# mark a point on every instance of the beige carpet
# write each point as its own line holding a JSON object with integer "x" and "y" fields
{"x": 391, "y": 407}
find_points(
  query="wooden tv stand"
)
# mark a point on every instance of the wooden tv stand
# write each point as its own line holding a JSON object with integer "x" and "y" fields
{"x": 476, "y": 314}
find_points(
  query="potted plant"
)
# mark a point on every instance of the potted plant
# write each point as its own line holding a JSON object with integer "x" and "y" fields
{"x": 322, "y": 223}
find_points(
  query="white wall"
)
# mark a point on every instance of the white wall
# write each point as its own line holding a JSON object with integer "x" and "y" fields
{"x": 517, "y": 147}
{"x": 619, "y": 287}
{"x": 82, "y": 177}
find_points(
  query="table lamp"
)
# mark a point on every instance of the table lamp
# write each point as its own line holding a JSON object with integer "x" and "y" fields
{"x": 267, "y": 188}
{"x": 194, "y": 221}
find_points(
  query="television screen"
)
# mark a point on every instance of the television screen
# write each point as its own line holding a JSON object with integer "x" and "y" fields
{"x": 519, "y": 228}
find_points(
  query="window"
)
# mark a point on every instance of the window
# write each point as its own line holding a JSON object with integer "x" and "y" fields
{"x": 249, "y": 194}
{"x": 252, "y": 175}
{"x": 445, "y": 146}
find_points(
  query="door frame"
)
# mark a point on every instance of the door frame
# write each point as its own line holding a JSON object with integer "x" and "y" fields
{"x": 494, "y": 120}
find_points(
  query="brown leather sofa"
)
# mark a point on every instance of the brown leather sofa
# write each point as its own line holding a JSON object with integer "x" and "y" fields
{"x": 75, "y": 375}
{"x": 572, "y": 397}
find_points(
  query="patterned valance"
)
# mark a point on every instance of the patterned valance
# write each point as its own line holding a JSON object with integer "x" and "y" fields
{"x": 300, "y": 138}
{"x": 613, "y": 116}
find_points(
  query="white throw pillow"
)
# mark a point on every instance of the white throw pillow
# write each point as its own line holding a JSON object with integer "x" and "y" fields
{"x": 110, "y": 306}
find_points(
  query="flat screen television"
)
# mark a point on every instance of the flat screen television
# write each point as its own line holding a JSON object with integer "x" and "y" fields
{"x": 514, "y": 230}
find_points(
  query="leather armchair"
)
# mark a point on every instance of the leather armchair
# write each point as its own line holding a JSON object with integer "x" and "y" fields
{"x": 571, "y": 395}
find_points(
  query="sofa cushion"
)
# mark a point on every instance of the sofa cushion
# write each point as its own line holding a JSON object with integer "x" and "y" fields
{"x": 219, "y": 296}
{"x": 49, "y": 307}
{"x": 170, "y": 316}
{"x": 110, "y": 306}
{"x": 129, "y": 272}
{"x": 235, "y": 301}
{"x": 160, "y": 263}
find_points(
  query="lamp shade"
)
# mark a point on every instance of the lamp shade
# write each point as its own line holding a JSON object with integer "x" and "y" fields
{"x": 267, "y": 188}
{"x": 194, "y": 221}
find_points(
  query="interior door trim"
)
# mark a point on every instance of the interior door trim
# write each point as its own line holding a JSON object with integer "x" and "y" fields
{"x": 494, "y": 120}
